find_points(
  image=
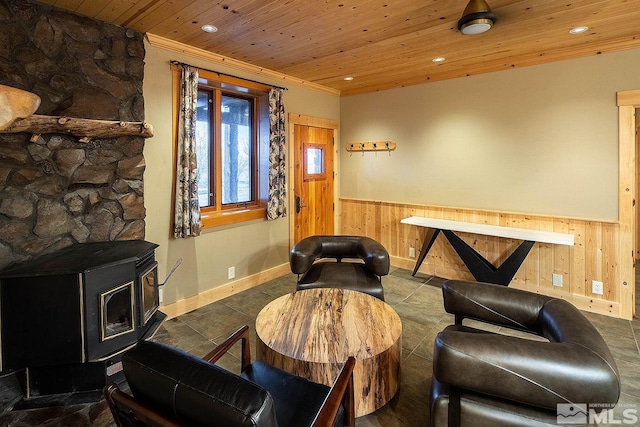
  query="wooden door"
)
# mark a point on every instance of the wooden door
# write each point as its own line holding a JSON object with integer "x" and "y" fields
{"x": 313, "y": 181}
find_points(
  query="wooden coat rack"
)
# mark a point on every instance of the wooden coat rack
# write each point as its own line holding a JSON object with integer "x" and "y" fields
{"x": 16, "y": 116}
{"x": 386, "y": 145}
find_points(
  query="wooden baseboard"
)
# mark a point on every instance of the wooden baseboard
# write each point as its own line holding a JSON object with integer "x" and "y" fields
{"x": 593, "y": 305}
{"x": 215, "y": 294}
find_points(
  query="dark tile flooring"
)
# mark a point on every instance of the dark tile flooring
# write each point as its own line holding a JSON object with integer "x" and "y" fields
{"x": 418, "y": 301}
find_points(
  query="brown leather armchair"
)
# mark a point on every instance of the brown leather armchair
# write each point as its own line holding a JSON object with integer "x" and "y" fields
{"x": 366, "y": 262}
{"x": 174, "y": 388}
{"x": 488, "y": 379}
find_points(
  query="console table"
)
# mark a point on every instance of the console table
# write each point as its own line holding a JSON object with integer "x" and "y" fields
{"x": 481, "y": 269}
{"x": 311, "y": 333}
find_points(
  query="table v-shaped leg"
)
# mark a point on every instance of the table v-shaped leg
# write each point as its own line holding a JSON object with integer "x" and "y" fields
{"x": 432, "y": 233}
{"x": 483, "y": 270}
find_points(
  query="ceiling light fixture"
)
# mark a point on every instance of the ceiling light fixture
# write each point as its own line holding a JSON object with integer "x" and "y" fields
{"x": 438, "y": 59}
{"x": 209, "y": 28}
{"x": 476, "y": 18}
{"x": 578, "y": 30}
{"x": 348, "y": 78}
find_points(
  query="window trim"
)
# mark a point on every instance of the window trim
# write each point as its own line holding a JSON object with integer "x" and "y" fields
{"x": 230, "y": 214}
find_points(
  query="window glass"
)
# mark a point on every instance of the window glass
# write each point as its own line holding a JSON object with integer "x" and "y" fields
{"x": 236, "y": 150}
{"x": 203, "y": 148}
{"x": 315, "y": 160}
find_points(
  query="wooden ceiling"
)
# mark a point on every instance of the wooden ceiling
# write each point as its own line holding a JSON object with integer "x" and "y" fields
{"x": 382, "y": 44}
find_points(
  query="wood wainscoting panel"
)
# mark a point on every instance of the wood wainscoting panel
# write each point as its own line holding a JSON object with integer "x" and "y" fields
{"x": 594, "y": 255}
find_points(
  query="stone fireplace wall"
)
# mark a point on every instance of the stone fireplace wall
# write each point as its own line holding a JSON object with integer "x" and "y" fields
{"x": 57, "y": 191}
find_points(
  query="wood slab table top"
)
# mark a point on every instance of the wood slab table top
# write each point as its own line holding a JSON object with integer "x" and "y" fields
{"x": 312, "y": 332}
{"x": 492, "y": 230}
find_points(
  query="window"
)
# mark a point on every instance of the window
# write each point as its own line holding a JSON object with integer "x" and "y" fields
{"x": 313, "y": 162}
{"x": 232, "y": 137}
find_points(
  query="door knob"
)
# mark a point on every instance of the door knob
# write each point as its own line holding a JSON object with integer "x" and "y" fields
{"x": 299, "y": 204}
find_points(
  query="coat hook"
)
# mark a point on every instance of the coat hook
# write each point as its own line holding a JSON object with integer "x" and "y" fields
{"x": 374, "y": 146}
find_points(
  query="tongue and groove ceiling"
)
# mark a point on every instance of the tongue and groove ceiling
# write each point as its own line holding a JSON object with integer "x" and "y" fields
{"x": 382, "y": 44}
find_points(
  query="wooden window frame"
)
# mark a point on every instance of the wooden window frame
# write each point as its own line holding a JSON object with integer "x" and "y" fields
{"x": 219, "y": 214}
{"x": 306, "y": 176}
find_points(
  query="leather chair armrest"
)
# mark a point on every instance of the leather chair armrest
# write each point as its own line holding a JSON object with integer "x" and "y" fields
{"x": 493, "y": 304}
{"x": 374, "y": 255}
{"x": 341, "y": 393}
{"x": 535, "y": 373}
{"x": 304, "y": 253}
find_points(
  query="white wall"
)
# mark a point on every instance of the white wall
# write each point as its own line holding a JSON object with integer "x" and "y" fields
{"x": 541, "y": 139}
{"x": 250, "y": 247}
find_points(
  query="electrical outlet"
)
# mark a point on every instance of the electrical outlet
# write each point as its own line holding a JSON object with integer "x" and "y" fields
{"x": 557, "y": 280}
{"x": 231, "y": 273}
{"x": 597, "y": 287}
{"x": 160, "y": 294}
{"x": 412, "y": 252}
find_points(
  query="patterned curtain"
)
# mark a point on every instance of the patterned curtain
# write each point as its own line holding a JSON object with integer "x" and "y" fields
{"x": 187, "y": 210}
{"x": 277, "y": 204}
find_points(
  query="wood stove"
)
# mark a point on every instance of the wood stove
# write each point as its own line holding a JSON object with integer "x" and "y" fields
{"x": 66, "y": 317}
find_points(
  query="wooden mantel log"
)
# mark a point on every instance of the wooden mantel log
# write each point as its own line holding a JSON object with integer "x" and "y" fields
{"x": 15, "y": 104}
{"x": 16, "y": 115}
{"x": 85, "y": 129}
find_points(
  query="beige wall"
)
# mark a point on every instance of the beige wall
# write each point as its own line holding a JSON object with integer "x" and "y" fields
{"x": 536, "y": 140}
{"x": 541, "y": 139}
{"x": 250, "y": 247}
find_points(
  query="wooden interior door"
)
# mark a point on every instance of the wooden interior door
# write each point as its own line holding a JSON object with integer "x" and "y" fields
{"x": 313, "y": 181}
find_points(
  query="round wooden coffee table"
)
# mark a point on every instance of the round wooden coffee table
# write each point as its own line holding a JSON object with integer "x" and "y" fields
{"x": 311, "y": 333}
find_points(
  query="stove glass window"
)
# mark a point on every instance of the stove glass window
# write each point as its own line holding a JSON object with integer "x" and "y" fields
{"x": 117, "y": 311}
{"x": 149, "y": 297}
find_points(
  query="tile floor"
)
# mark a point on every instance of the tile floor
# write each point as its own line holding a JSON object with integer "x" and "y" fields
{"x": 418, "y": 301}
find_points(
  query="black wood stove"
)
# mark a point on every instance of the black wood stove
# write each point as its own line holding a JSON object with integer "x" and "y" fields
{"x": 67, "y": 317}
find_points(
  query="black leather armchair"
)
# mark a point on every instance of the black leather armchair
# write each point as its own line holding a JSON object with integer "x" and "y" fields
{"x": 488, "y": 379}
{"x": 368, "y": 262}
{"x": 174, "y": 388}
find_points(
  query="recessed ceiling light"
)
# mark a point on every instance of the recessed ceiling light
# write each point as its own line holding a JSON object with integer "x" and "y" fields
{"x": 348, "y": 78}
{"x": 209, "y": 28}
{"x": 438, "y": 59}
{"x": 578, "y": 30}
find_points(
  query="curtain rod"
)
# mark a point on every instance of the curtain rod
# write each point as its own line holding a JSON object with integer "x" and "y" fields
{"x": 227, "y": 75}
